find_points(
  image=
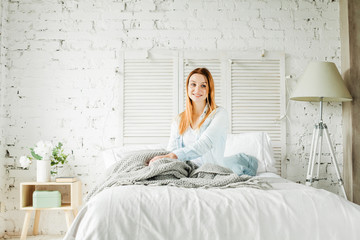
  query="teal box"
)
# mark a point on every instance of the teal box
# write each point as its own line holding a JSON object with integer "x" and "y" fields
{"x": 46, "y": 199}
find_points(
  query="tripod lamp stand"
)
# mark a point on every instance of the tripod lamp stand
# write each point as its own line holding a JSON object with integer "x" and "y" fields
{"x": 321, "y": 82}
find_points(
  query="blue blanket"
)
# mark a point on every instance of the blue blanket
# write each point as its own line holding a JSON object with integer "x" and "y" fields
{"x": 241, "y": 164}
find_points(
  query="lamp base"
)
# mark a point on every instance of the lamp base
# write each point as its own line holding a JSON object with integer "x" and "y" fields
{"x": 316, "y": 147}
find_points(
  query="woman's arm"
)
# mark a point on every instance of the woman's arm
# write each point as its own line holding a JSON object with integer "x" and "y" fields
{"x": 170, "y": 155}
{"x": 216, "y": 131}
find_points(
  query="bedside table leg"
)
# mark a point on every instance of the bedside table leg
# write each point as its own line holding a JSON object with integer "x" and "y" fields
{"x": 36, "y": 222}
{"x": 68, "y": 214}
{"x": 26, "y": 224}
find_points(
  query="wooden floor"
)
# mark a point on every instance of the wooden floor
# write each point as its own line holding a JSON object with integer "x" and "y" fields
{"x": 41, "y": 237}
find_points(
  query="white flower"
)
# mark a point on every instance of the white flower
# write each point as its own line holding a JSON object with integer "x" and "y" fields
{"x": 24, "y": 161}
{"x": 44, "y": 149}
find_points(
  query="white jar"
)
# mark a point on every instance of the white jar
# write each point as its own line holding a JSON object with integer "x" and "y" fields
{"x": 43, "y": 170}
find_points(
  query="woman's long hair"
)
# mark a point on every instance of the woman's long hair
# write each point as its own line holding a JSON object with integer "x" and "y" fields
{"x": 185, "y": 117}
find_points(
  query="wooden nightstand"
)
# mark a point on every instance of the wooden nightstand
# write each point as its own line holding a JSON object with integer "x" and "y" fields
{"x": 71, "y": 199}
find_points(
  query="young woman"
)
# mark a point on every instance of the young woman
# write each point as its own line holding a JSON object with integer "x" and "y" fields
{"x": 199, "y": 133}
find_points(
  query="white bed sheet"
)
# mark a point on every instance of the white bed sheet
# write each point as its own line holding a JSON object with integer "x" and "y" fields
{"x": 288, "y": 211}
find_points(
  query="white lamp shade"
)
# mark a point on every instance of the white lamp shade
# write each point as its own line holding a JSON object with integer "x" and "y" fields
{"x": 321, "y": 80}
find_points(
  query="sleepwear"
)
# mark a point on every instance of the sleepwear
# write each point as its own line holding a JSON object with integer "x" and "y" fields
{"x": 209, "y": 145}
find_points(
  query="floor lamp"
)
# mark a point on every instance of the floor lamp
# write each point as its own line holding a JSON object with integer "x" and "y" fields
{"x": 321, "y": 82}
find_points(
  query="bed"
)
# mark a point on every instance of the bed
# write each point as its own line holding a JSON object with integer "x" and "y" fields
{"x": 286, "y": 210}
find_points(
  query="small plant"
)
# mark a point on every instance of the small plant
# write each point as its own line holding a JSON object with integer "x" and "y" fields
{"x": 46, "y": 151}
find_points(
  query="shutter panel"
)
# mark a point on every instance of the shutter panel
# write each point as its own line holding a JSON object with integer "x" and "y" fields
{"x": 148, "y": 100}
{"x": 214, "y": 66}
{"x": 256, "y": 101}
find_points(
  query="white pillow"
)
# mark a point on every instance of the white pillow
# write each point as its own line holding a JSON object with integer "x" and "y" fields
{"x": 256, "y": 144}
{"x": 112, "y": 155}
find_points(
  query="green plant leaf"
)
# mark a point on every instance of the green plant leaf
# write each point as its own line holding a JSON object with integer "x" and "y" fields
{"x": 35, "y": 155}
{"x": 58, "y": 155}
{"x": 55, "y": 152}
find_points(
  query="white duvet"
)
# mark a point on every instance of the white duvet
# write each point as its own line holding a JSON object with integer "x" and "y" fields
{"x": 289, "y": 211}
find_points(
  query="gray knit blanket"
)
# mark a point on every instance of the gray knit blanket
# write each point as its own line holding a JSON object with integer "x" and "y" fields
{"x": 132, "y": 170}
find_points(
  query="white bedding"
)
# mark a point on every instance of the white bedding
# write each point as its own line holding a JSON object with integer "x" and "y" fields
{"x": 289, "y": 211}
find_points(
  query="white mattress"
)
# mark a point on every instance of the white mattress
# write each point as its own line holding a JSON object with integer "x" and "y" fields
{"x": 288, "y": 211}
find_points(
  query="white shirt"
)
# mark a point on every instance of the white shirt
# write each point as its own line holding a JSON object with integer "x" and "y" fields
{"x": 189, "y": 137}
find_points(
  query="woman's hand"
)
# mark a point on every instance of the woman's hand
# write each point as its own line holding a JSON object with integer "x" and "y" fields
{"x": 170, "y": 155}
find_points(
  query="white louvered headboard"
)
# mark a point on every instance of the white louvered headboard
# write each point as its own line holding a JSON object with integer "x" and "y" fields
{"x": 250, "y": 86}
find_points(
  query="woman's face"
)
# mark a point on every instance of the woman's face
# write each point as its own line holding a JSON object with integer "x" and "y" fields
{"x": 198, "y": 88}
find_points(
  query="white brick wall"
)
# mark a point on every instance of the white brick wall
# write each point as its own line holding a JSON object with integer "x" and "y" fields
{"x": 60, "y": 81}
{"x": 3, "y": 122}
